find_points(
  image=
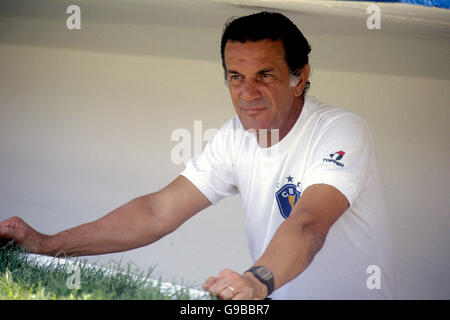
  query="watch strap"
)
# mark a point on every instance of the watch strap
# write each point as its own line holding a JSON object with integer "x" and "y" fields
{"x": 264, "y": 275}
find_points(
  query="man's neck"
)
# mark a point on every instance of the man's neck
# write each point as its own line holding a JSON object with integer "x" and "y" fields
{"x": 272, "y": 138}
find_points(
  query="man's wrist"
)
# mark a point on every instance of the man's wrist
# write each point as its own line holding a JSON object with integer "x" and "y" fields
{"x": 47, "y": 245}
{"x": 261, "y": 291}
{"x": 264, "y": 276}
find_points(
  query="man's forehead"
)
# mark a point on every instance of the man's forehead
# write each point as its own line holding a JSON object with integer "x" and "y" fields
{"x": 258, "y": 52}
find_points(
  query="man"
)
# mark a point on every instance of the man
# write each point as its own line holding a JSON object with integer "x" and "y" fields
{"x": 306, "y": 173}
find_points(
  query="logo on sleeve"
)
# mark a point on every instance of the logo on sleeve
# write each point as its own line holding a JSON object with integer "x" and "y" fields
{"x": 287, "y": 196}
{"x": 335, "y": 157}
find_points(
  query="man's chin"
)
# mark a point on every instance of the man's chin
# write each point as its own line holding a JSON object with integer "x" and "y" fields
{"x": 257, "y": 129}
{"x": 253, "y": 128}
{"x": 251, "y": 124}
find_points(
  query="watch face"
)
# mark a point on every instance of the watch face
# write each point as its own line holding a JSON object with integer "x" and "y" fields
{"x": 264, "y": 273}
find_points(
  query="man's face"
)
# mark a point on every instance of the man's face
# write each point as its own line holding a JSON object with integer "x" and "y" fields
{"x": 258, "y": 80}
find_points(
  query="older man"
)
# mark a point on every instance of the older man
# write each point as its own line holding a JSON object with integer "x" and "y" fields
{"x": 306, "y": 173}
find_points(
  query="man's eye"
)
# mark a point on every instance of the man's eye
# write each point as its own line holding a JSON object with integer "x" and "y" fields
{"x": 266, "y": 77}
{"x": 235, "y": 77}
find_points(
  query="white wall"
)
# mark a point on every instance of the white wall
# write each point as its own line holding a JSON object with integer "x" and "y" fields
{"x": 83, "y": 132}
{"x": 86, "y": 119}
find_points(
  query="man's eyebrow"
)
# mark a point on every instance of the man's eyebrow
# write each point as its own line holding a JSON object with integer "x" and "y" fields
{"x": 259, "y": 72}
{"x": 266, "y": 70}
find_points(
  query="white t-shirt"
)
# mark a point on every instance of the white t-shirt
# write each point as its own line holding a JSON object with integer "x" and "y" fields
{"x": 327, "y": 145}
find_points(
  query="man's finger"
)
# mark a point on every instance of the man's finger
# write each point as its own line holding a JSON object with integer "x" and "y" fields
{"x": 227, "y": 293}
{"x": 242, "y": 296}
{"x": 5, "y": 237}
{"x": 209, "y": 282}
{"x": 5, "y": 231}
{"x": 228, "y": 288}
{"x": 221, "y": 285}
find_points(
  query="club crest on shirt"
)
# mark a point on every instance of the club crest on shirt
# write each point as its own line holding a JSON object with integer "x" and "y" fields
{"x": 287, "y": 196}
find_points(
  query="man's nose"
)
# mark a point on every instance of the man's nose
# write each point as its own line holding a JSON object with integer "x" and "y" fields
{"x": 250, "y": 91}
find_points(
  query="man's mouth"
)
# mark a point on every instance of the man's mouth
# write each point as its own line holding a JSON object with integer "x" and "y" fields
{"x": 253, "y": 110}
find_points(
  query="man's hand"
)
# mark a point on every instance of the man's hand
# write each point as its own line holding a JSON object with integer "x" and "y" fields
{"x": 17, "y": 230}
{"x": 232, "y": 285}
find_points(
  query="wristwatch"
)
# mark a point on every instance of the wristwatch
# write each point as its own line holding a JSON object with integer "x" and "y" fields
{"x": 264, "y": 275}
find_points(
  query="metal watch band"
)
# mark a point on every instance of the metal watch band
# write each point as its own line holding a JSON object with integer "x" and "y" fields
{"x": 264, "y": 275}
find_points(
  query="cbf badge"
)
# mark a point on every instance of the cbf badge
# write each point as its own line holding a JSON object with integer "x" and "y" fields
{"x": 287, "y": 196}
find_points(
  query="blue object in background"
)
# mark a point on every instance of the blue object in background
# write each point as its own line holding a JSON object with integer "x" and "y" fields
{"x": 428, "y": 3}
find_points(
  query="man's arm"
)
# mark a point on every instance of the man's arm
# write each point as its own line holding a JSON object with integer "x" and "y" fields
{"x": 305, "y": 231}
{"x": 137, "y": 223}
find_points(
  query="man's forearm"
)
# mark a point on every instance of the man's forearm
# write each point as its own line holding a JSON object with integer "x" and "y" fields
{"x": 130, "y": 226}
{"x": 291, "y": 250}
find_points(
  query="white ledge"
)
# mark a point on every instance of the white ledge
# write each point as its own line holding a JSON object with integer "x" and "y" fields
{"x": 166, "y": 287}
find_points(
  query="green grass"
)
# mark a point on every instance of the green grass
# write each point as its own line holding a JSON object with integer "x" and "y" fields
{"x": 22, "y": 277}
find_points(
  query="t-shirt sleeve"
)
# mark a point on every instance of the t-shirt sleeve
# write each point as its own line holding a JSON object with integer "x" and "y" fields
{"x": 212, "y": 171}
{"x": 341, "y": 156}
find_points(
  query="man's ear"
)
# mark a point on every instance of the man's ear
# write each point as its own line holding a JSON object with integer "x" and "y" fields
{"x": 304, "y": 75}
